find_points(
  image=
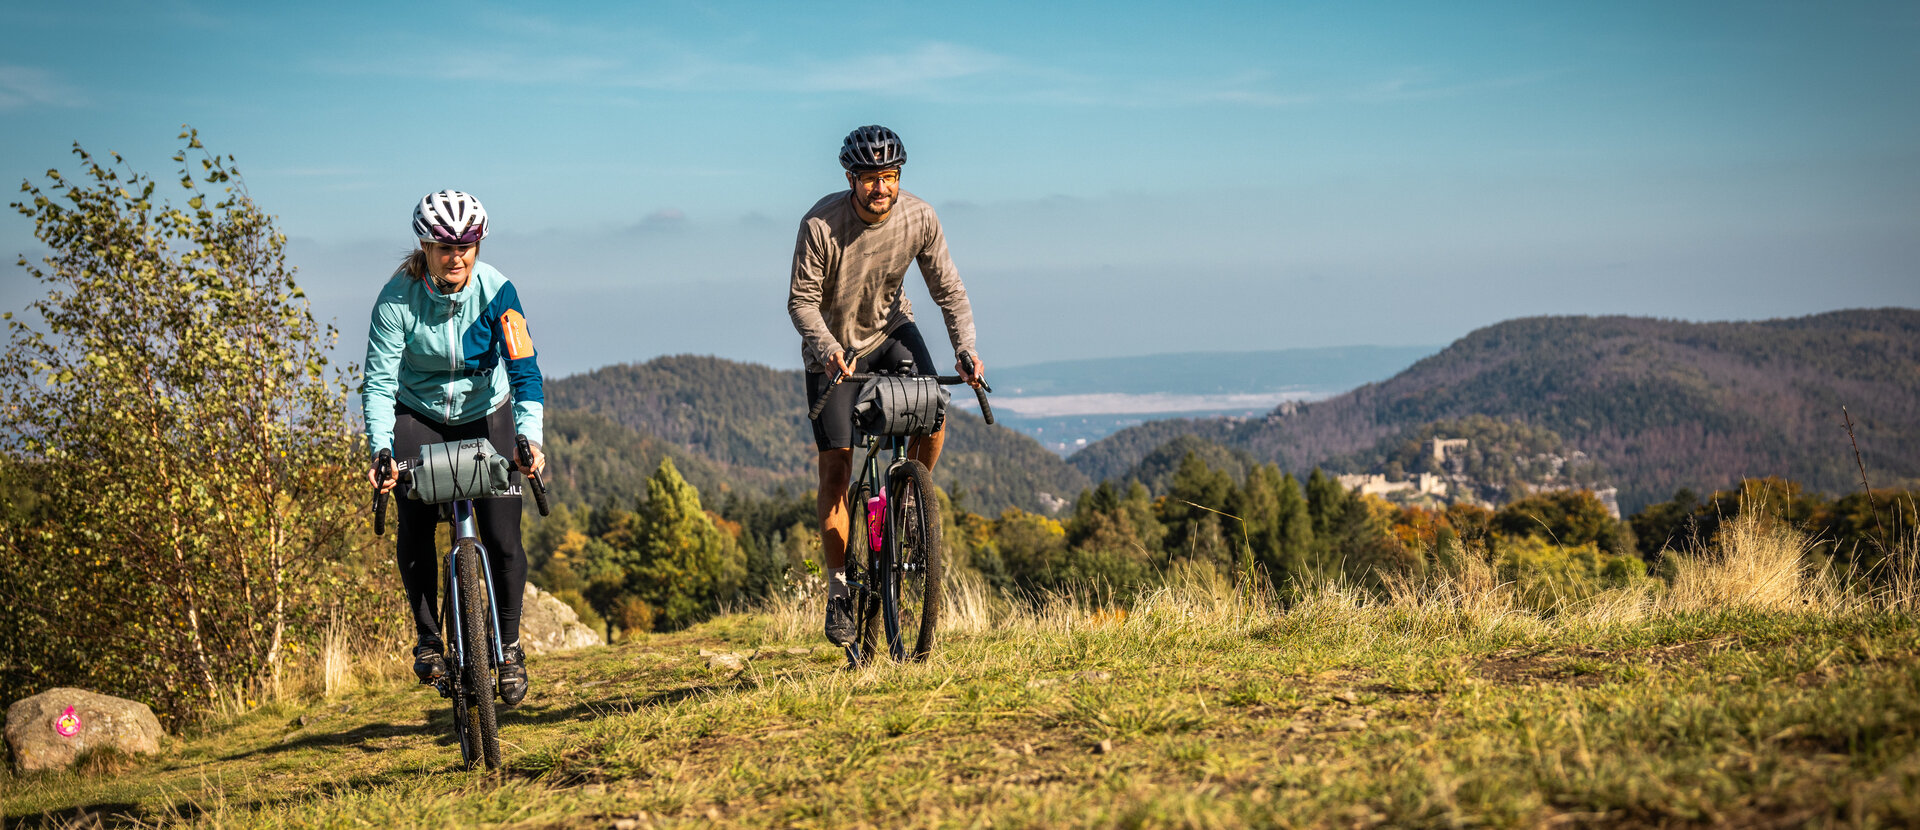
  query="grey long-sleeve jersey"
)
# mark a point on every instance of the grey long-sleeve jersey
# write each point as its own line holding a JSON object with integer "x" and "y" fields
{"x": 846, "y": 292}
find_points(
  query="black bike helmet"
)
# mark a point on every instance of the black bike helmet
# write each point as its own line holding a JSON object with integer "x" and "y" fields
{"x": 870, "y": 148}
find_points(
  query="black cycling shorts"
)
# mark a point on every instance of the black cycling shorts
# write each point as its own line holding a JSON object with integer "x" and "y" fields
{"x": 833, "y": 430}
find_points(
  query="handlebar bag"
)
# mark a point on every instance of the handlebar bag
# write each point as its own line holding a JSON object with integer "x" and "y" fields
{"x": 901, "y": 405}
{"x": 459, "y": 470}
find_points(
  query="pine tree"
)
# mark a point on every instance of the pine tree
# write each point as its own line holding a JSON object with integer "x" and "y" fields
{"x": 686, "y": 564}
{"x": 1278, "y": 524}
{"x": 1194, "y": 527}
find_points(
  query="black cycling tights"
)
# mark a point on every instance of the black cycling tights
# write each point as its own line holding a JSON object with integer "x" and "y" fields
{"x": 499, "y": 521}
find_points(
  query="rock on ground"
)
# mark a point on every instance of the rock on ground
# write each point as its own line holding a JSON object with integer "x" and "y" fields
{"x": 34, "y": 726}
{"x": 548, "y": 625}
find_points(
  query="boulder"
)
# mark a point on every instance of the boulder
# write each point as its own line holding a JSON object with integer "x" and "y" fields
{"x": 548, "y": 625}
{"x": 49, "y": 730}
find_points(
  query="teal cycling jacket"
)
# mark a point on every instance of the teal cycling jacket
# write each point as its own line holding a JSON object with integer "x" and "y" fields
{"x": 454, "y": 357}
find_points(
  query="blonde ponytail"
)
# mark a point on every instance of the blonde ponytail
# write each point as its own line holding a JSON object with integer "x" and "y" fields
{"x": 415, "y": 264}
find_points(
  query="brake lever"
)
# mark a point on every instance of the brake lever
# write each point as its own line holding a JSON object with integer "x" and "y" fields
{"x": 383, "y": 470}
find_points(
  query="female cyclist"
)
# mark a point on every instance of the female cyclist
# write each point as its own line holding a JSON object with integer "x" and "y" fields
{"x": 448, "y": 359}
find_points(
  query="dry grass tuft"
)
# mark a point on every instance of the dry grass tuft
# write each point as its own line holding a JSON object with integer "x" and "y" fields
{"x": 1902, "y": 591}
{"x": 105, "y": 762}
{"x": 1754, "y": 563}
{"x": 797, "y": 612}
{"x": 1472, "y": 589}
{"x": 970, "y": 606}
{"x": 337, "y": 660}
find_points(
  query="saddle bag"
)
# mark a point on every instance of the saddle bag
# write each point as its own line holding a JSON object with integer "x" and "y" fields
{"x": 901, "y": 405}
{"x": 459, "y": 470}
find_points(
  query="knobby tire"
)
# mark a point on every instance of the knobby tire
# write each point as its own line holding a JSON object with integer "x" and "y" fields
{"x": 914, "y": 523}
{"x": 478, "y": 679}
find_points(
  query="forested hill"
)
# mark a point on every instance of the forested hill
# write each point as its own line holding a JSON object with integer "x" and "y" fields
{"x": 743, "y": 426}
{"x": 1663, "y": 404}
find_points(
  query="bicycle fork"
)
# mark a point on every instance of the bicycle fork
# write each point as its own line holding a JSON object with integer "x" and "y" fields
{"x": 465, "y": 527}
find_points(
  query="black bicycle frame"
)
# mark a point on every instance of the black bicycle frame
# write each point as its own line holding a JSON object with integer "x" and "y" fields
{"x": 884, "y": 567}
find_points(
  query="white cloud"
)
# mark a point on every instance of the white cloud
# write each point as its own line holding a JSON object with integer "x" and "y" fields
{"x": 622, "y": 66}
{"x": 25, "y": 86}
{"x": 1421, "y": 85}
{"x": 519, "y": 50}
{"x": 929, "y": 64}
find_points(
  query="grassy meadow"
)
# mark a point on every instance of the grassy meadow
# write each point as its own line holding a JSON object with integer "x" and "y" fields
{"x": 1747, "y": 692}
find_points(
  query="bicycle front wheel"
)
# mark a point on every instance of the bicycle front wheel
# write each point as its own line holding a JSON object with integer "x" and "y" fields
{"x": 918, "y": 566}
{"x": 483, "y": 727}
{"x": 453, "y": 684}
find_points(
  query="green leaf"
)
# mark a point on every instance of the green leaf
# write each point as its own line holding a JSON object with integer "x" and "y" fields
{"x": 196, "y": 202}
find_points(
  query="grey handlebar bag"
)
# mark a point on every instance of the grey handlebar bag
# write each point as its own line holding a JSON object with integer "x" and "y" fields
{"x": 893, "y": 405}
{"x": 459, "y": 470}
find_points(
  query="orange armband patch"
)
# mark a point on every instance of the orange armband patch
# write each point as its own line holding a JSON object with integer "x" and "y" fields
{"x": 513, "y": 329}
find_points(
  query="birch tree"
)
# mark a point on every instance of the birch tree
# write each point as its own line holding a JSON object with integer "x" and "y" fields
{"x": 172, "y": 406}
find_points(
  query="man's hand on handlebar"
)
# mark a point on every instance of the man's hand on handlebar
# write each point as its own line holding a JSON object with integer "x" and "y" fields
{"x": 539, "y": 459}
{"x": 979, "y": 367}
{"x": 839, "y": 363}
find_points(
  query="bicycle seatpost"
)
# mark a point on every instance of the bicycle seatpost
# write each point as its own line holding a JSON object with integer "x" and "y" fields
{"x": 383, "y": 469}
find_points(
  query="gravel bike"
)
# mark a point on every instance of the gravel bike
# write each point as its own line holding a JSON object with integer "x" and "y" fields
{"x": 469, "y": 618}
{"x": 895, "y": 577}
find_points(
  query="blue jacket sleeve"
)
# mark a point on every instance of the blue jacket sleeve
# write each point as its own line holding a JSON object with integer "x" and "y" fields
{"x": 515, "y": 342}
{"x": 386, "y": 339}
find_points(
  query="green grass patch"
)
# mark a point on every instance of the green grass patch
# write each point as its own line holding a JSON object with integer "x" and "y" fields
{"x": 1189, "y": 713}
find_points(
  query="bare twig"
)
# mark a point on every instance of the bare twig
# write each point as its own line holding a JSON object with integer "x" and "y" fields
{"x": 1871, "y": 505}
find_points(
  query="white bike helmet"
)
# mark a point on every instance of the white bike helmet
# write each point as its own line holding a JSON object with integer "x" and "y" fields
{"x": 450, "y": 217}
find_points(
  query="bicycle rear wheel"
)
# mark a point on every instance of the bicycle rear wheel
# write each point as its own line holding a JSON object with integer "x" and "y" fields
{"x": 918, "y": 567}
{"x": 482, "y": 727}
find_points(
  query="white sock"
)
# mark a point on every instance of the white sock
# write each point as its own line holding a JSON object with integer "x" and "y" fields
{"x": 836, "y": 583}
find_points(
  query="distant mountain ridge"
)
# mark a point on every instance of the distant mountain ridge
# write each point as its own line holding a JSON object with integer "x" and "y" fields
{"x": 1327, "y": 369}
{"x": 743, "y": 426}
{"x": 1663, "y": 404}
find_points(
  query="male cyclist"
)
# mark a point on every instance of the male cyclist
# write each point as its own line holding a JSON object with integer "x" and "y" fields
{"x": 846, "y": 299}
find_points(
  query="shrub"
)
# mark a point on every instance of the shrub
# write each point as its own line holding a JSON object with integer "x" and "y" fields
{"x": 196, "y": 486}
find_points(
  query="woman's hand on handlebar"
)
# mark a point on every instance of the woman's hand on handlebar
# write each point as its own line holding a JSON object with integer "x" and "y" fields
{"x": 539, "y": 459}
{"x": 373, "y": 477}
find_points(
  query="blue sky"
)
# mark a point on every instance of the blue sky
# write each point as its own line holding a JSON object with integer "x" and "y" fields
{"x": 1115, "y": 178}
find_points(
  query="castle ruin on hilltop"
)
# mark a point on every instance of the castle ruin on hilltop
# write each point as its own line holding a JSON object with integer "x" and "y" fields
{"x": 1455, "y": 485}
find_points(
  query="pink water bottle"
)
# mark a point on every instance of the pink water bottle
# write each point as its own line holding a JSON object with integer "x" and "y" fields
{"x": 876, "y": 511}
